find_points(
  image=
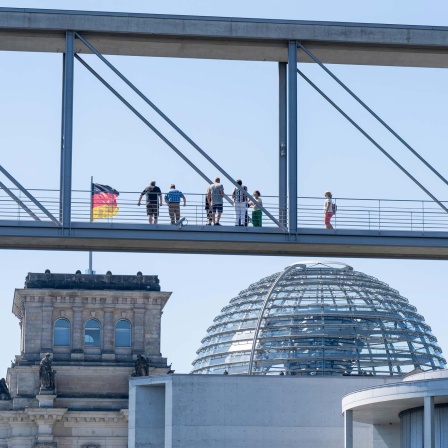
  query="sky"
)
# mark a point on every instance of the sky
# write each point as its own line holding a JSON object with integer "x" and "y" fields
{"x": 230, "y": 109}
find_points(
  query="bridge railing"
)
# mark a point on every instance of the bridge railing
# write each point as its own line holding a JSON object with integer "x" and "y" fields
{"x": 375, "y": 214}
{"x": 128, "y": 210}
{"x": 352, "y": 213}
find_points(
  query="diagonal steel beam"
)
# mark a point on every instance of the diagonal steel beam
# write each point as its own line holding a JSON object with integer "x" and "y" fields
{"x": 29, "y": 196}
{"x": 372, "y": 140}
{"x": 377, "y": 117}
{"x": 172, "y": 124}
{"x": 19, "y": 202}
{"x": 163, "y": 138}
{"x": 142, "y": 118}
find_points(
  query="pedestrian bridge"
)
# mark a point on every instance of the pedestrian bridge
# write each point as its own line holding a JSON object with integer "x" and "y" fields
{"x": 363, "y": 228}
{"x": 292, "y": 225}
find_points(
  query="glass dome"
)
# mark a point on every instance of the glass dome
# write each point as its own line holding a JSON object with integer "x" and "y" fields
{"x": 318, "y": 318}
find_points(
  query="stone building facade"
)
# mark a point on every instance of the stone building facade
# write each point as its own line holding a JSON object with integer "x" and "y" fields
{"x": 92, "y": 328}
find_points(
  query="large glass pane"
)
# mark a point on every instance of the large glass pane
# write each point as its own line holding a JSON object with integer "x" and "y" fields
{"x": 92, "y": 333}
{"x": 122, "y": 333}
{"x": 61, "y": 332}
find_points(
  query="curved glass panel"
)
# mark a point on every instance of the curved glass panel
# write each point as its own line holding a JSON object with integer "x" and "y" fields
{"x": 122, "y": 333}
{"x": 92, "y": 333}
{"x": 61, "y": 332}
{"x": 321, "y": 318}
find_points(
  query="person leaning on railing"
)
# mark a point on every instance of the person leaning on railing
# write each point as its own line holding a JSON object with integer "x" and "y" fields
{"x": 153, "y": 201}
{"x": 172, "y": 198}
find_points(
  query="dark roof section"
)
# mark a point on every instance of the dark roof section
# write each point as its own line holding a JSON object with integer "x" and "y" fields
{"x": 48, "y": 280}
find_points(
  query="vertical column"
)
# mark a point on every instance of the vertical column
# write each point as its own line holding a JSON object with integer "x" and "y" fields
{"x": 153, "y": 316}
{"x": 108, "y": 335}
{"x": 282, "y": 139}
{"x": 138, "y": 330}
{"x": 61, "y": 186}
{"x": 78, "y": 332}
{"x": 348, "y": 429}
{"x": 47, "y": 328}
{"x": 67, "y": 129}
{"x": 292, "y": 134}
{"x": 428, "y": 423}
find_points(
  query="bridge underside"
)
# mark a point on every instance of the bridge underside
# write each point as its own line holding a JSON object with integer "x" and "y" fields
{"x": 225, "y": 241}
{"x": 224, "y": 38}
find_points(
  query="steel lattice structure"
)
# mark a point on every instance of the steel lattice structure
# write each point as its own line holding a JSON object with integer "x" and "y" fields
{"x": 319, "y": 318}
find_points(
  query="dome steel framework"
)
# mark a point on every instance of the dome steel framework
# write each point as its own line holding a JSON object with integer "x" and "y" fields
{"x": 318, "y": 318}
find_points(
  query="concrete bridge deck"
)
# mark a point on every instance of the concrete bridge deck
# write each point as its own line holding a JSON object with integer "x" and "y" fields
{"x": 224, "y": 240}
{"x": 42, "y": 30}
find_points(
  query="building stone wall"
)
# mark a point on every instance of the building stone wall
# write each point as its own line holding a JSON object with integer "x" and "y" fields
{"x": 88, "y": 406}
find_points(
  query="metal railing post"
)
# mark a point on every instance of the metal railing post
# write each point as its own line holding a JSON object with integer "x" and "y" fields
{"x": 423, "y": 216}
{"x": 379, "y": 214}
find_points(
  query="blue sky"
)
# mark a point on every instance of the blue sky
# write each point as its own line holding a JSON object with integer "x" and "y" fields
{"x": 229, "y": 108}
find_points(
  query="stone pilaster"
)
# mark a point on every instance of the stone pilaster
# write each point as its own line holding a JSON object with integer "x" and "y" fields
{"x": 77, "y": 333}
{"x": 47, "y": 329}
{"x": 108, "y": 334}
{"x": 45, "y": 419}
{"x": 22, "y": 432}
{"x": 138, "y": 333}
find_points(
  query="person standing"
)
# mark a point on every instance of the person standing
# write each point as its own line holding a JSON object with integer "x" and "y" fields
{"x": 256, "y": 213}
{"x": 172, "y": 198}
{"x": 246, "y": 214}
{"x": 240, "y": 202}
{"x": 208, "y": 211}
{"x": 215, "y": 193}
{"x": 153, "y": 201}
{"x": 328, "y": 209}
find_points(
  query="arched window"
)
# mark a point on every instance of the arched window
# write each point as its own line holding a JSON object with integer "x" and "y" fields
{"x": 122, "y": 333}
{"x": 61, "y": 332}
{"x": 92, "y": 333}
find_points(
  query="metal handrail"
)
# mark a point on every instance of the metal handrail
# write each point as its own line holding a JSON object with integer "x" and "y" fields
{"x": 353, "y": 213}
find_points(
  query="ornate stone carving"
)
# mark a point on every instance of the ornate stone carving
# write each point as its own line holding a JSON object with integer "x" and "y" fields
{"x": 46, "y": 374}
{"x": 4, "y": 391}
{"x": 141, "y": 366}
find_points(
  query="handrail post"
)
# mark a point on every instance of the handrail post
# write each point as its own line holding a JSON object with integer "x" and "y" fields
{"x": 423, "y": 216}
{"x": 379, "y": 214}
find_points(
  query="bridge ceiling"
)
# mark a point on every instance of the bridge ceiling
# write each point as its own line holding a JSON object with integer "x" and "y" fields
{"x": 224, "y": 38}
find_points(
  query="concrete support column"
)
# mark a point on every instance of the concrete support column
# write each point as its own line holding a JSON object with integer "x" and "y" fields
{"x": 292, "y": 134}
{"x": 348, "y": 429}
{"x": 428, "y": 423}
{"x": 282, "y": 141}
